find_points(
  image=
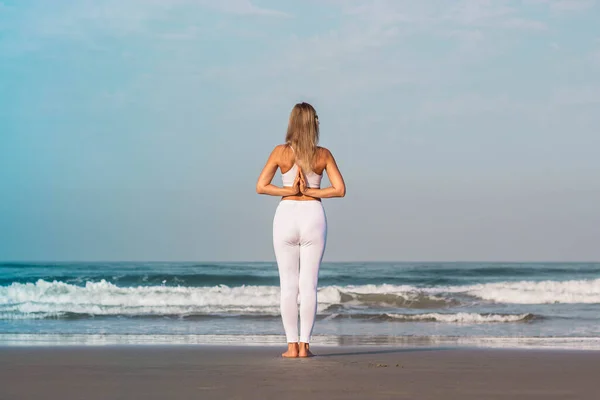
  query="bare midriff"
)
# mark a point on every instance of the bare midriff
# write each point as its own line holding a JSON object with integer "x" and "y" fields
{"x": 301, "y": 197}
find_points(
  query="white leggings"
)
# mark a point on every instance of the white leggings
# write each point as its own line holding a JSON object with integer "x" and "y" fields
{"x": 299, "y": 236}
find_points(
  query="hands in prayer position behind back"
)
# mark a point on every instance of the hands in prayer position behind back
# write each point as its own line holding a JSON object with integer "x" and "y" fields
{"x": 302, "y": 186}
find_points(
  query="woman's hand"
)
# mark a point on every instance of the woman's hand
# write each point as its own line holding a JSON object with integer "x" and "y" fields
{"x": 295, "y": 188}
{"x": 302, "y": 183}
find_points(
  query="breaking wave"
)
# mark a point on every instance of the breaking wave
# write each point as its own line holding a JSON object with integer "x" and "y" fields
{"x": 56, "y": 299}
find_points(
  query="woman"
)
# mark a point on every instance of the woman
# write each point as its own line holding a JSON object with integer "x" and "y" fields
{"x": 300, "y": 226}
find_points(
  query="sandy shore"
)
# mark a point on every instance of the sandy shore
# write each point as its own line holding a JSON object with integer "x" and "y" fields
{"x": 213, "y": 372}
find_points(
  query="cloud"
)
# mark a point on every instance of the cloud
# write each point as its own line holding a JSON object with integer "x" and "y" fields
{"x": 526, "y": 24}
{"x": 244, "y": 7}
{"x": 241, "y": 7}
{"x": 377, "y": 48}
{"x": 595, "y": 57}
{"x": 576, "y": 96}
{"x": 572, "y": 5}
{"x": 135, "y": 17}
{"x": 563, "y": 6}
{"x": 442, "y": 14}
{"x": 371, "y": 48}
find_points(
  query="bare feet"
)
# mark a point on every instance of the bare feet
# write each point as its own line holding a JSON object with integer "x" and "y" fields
{"x": 292, "y": 351}
{"x": 304, "y": 350}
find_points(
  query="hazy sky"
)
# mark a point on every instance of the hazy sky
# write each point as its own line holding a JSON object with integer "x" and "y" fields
{"x": 136, "y": 129}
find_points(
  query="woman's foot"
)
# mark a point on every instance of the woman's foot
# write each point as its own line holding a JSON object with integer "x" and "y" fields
{"x": 304, "y": 351}
{"x": 292, "y": 351}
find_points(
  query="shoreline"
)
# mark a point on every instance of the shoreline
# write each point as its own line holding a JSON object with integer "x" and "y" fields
{"x": 259, "y": 372}
{"x": 276, "y": 349}
{"x": 8, "y": 340}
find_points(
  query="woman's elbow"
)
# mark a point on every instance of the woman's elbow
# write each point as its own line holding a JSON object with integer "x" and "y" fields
{"x": 342, "y": 191}
{"x": 260, "y": 189}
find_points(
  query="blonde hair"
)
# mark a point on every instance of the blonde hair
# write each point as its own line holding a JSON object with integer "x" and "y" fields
{"x": 303, "y": 135}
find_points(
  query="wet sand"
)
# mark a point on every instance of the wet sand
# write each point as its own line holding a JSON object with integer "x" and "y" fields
{"x": 238, "y": 372}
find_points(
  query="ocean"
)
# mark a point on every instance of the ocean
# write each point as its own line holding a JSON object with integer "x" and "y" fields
{"x": 553, "y": 305}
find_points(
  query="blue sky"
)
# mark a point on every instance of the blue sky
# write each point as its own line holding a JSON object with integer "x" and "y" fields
{"x": 135, "y": 130}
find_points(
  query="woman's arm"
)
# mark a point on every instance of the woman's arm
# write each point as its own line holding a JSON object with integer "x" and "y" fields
{"x": 264, "y": 186}
{"x": 337, "y": 188}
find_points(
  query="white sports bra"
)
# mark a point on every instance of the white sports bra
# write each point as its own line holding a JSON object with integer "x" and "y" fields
{"x": 313, "y": 180}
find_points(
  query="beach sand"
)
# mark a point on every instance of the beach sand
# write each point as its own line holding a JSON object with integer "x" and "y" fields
{"x": 249, "y": 372}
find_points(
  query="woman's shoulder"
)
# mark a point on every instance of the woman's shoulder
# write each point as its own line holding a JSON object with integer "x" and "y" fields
{"x": 281, "y": 153}
{"x": 283, "y": 146}
{"x": 323, "y": 151}
{"x": 280, "y": 148}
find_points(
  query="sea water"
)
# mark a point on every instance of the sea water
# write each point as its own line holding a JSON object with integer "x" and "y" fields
{"x": 489, "y": 304}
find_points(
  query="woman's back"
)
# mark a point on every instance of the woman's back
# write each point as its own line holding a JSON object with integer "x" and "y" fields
{"x": 287, "y": 159}
{"x": 289, "y": 170}
{"x": 289, "y": 173}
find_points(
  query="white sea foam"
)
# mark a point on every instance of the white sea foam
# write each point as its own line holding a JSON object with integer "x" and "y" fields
{"x": 464, "y": 318}
{"x": 532, "y": 292}
{"x": 43, "y": 298}
{"x": 104, "y": 298}
{"x": 521, "y": 292}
